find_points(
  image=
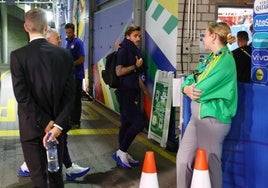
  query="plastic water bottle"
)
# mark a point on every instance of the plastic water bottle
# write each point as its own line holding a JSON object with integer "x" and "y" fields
{"x": 52, "y": 155}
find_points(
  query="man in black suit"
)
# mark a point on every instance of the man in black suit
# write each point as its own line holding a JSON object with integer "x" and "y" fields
{"x": 43, "y": 84}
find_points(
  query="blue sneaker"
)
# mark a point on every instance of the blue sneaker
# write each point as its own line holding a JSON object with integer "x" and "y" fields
{"x": 132, "y": 161}
{"x": 23, "y": 173}
{"x": 121, "y": 159}
{"x": 23, "y": 170}
{"x": 76, "y": 171}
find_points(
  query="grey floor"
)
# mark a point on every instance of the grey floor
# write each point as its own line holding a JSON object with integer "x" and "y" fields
{"x": 92, "y": 145}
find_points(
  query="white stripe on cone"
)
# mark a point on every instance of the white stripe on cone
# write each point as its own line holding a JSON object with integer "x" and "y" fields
{"x": 149, "y": 180}
{"x": 200, "y": 179}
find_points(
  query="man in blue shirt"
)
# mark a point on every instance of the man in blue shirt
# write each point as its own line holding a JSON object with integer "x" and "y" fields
{"x": 76, "y": 47}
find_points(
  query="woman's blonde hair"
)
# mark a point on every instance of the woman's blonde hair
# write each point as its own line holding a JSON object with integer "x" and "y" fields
{"x": 223, "y": 31}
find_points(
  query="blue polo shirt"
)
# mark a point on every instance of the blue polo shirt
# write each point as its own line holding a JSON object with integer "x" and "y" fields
{"x": 76, "y": 47}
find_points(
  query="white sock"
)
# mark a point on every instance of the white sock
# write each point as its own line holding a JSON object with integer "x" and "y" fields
{"x": 123, "y": 156}
{"x": 24, "y": 167}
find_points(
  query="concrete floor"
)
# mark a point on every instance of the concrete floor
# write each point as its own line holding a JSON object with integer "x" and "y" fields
{"x": 92, "y": 145}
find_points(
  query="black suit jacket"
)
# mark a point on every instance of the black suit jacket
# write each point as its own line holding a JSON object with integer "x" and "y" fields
{"x": 43, "y": 84}
{"x": 242, "y": 58}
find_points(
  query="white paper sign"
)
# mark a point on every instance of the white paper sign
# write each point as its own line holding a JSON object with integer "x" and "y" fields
{"x": 177, "y": 92}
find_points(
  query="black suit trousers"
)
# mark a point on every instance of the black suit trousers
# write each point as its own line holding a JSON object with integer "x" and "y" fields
{"x": 35, "y": 157}
{"x": 77, "y": 108}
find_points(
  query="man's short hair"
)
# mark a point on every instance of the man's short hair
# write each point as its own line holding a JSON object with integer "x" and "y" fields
{"x": 36, "y": 20}
{"x": 242, "y": 35}
{"x": 131, "y": 28}
{"x": 69, "y": 26}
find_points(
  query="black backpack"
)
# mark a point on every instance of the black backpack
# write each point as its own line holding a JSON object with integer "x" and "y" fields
{"x": 108, "y": 74}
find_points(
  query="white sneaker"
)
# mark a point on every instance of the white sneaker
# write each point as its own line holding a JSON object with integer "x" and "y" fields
{"x": 122, "y": 159}
{"x": 132, "y": 161}
{"x": 76, "y": 171}
{"x": 23, "y": 170}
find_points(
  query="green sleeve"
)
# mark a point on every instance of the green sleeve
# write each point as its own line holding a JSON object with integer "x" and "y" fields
{"x": 190, "y": 79}
{"x": 214, "y": 85}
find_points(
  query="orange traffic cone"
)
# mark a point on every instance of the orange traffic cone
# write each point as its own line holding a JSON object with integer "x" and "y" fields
{"x": 149, "y": 175}
{"x": 200, "y": 177}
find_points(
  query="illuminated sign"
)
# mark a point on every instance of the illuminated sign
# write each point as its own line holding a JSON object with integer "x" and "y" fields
{"x": 260, "y": 57}
{"x": 259, "y": 75}
{"x": 260, "y": 40}
{"x": 261, "y": 22}
{"x": 261, "y": 6}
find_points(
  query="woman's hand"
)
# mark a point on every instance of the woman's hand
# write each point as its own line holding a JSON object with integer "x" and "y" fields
{"x": 192, "y": 92}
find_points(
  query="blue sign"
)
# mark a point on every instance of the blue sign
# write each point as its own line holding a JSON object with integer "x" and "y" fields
{"x": 260, "y": 22}
{"x": 259, "y": 70}
{"x": 259, "y": 75}
{"x": 260, "y": 40}
{"x": 260, "y": 57}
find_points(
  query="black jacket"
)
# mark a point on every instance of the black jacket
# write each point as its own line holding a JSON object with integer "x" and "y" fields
{"x": 43, "y": 84}
{"x": 126, "y": 56}
{"x": 242, "y": 58}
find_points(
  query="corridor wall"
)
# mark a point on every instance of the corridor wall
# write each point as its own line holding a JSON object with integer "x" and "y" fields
{"x": 246, "y": 146}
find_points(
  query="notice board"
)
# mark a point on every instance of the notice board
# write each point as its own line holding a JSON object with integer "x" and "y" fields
{"x": 161, "y": 107}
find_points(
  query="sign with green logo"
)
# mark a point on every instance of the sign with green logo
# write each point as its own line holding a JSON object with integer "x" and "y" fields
{"x": 161, "y": 107}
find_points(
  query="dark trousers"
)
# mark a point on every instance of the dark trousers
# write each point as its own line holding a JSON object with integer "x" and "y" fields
{"x": 77, "y": 108}
{"x": 66, "y": 156}
{"x": 131, "y": 117}
{"x": 36, "y": 160}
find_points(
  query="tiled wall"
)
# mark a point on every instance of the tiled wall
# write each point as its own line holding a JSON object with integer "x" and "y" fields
{"x": 205, "y": 13}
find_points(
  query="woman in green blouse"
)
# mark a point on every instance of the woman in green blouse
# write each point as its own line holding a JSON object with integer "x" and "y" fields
{"x": 213, "y": 90}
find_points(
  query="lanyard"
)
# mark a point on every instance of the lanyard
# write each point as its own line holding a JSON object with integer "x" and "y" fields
{"x": 245, "y": 52}
{"x": 209, "y": 67}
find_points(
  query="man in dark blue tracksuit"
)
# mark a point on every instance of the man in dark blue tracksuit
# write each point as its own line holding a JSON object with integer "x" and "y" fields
{"x": 129, "y": 68}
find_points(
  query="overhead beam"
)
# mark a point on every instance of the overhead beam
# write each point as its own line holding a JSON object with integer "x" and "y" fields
{"x": 29, "y": 2}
